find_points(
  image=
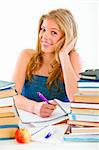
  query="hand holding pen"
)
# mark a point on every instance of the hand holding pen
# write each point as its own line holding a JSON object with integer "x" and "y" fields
{"x": 47, "y": 108}
{"x": 47, "y": 101}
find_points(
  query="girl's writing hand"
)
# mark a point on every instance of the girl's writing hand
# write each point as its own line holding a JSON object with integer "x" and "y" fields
{"x": 45, "y": 110}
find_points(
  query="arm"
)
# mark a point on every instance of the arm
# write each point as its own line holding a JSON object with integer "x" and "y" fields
{"x": 19, "y": 78}
{"x": 42, "y": 109}
{"x": 71, "y": 67}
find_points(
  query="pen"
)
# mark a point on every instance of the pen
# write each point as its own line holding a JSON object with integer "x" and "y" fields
{"x": 39, "y": 130}
{"x": 49, "y": 134}
{"x": 43, "y": 97}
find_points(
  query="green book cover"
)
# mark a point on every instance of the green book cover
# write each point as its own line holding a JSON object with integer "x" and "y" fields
{"x": 6, "y": 84}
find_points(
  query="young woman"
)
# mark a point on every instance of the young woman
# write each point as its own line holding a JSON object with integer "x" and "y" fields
{"x": 53, "y": 68}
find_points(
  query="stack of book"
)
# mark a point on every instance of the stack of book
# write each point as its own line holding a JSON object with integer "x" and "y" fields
{"x": 9, "y": 120}
{"x": 84, "y": 116}
{"x": 92, "y": 74}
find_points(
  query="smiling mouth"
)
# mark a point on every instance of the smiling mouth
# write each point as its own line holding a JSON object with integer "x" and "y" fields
{"x": 45, "y": 43}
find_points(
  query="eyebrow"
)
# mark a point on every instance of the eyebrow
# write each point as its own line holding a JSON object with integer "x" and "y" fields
{"x": 51, "y": 28}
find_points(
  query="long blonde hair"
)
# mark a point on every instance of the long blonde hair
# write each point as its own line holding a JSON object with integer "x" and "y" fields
{"x": 67, "y": 24}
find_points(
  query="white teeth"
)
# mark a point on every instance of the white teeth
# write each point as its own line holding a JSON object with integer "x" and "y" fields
{"x": 46, "y": 44}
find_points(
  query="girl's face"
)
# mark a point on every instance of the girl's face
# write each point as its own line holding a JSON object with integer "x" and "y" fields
{"x": 49, "y": 35}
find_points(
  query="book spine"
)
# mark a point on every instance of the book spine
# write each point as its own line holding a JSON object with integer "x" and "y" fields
{"x": 7, "y": 138}
{"x": 82, "y": 139}
{"x": 9, "y": 126}
{"x": 92, "y": 118}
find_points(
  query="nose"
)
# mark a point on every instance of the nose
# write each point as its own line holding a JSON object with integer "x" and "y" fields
{"x": 45, "y": 36}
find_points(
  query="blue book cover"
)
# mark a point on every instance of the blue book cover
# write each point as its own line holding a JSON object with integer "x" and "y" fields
{"x": 88, "y": 83}
{"x": 9, "y": 126}
{"x": 82, "y": 138}
{"x": 82, "y": 80}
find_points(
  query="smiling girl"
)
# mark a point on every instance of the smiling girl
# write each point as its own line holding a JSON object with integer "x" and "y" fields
{"x": 53, "y": 68}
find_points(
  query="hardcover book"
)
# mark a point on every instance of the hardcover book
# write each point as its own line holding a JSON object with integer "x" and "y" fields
{"x": 88, "y": 111}
{"x": 88, "y": 89}
{"x": 9, "y": 118}
{"x": 87, "y": 98}
{"x": 6, "y": 84}
{"x": 7, "y": 92}
{"x": 9, "y": 121}
{"x": 83, "y": 123}
{"x": 88, "y": 83}
{"x": 7, "y": 111}
{"x": 82, "y": 117}
{"x": 82, "y": 138}
{"x": 84, "y": 130}
{"x": 8, "y": 131}
{"x": 84, "y": 105}
{"x": 92, "y": 74}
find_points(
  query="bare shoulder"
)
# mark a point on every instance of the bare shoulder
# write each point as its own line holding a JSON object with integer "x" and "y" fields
{"x": 24, "y": 57}
{"x": 27, "y": 53}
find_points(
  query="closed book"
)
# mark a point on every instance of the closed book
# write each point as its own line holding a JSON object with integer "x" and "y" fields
{"x": 7, "y": 92}
{"x": 84, "y": 130}
{"x": 87, "y": 111}
{"x": 8, "y": 114}
{"x": 7, "y": 111}
{"x": 82, "y": 138}
{"x": 8, "y": 101}
{"x": 6, "y": 84}
{"x": 87, "y": 77}
{"x": 88, "y": 89}
{"x": 83, "y": 123}
{"x": 89, "y": 118}
{"x": 87, "y": 98}
{"x": 84, "y": 105}
{"x": 8, "y": 131}
{"x": 89, "y": 92}
{"x": 10, "y": 120}
{"x": 88, "y": 83}
{"x": 90, "y": 74}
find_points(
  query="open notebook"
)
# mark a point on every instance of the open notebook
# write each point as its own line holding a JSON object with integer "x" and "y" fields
{"x": 57, "y": 116}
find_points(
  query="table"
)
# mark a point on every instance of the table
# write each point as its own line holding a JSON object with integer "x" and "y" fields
{"x": 13, "y": 145}
{"x": 32, "y": 145}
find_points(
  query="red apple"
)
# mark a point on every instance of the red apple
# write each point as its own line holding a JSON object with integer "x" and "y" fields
{"x": 23, "y": 135}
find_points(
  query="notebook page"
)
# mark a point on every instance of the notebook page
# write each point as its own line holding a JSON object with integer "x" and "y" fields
{"x": 57, "y": 116}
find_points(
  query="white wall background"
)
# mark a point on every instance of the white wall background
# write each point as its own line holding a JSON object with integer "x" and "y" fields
{"x": 18, "y": 29}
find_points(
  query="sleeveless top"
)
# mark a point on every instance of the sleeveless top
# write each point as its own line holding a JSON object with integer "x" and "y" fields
{"x": 38, "y": 84}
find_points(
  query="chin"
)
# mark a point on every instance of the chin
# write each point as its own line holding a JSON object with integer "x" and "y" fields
{"x": 47, "y": 50}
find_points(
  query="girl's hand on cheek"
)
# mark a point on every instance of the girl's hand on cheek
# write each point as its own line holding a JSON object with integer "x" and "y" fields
{"x": 68, "y": 47}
